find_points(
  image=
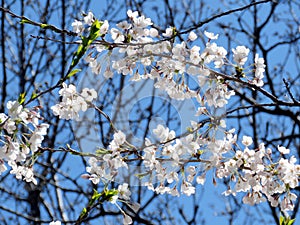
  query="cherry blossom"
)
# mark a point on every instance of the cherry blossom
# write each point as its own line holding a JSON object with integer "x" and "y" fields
{"x": 211, "y": 35}
{"x": 15, "y": 110}
{"x": 89, "y": 18}
{"x": 192, "y": 36}
{"x": 247, "y": 141}
{"x": 123, "y": 191}
{"x": 117, "y": 35}
{"x": 55, "y": 223}
{"x": 283, "y": 150}
{"x": 259, "y": 71}
{"x": 168, "y": 32}
{"x": 240, "y": 55}
{"x": 77, "y": 26}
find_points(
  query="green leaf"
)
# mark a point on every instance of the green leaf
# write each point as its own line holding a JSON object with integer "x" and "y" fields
{"x": 108, "y": 194}
{"x": 86, "y": 42}
{"x": 111, "y": 192}
{"x": 83, "y": 212}
{"x": 96, "y": 195}
{"x": 141, "y": 175}
{"x": 281, "y": 220}
{"x": 33, "y": 95}
{"x": 23, "y": 21}
{"x": 174, "y": 31}
{"x": 291, "y": 222}
{"x": 95, "y": 31}
{"x": 44, "y": 26}
{"x": 78, "y": 54}
{"x": 21, "y": 98}
{"x": 189, "y": 129}
{"x": 102, "y": 151}
{"x": 286, "y": 220}
{"x": 200, "y": 152}
{"x": 73, "y": 72}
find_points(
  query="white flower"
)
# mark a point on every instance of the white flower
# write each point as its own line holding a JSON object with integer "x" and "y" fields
{"x": 89, "y": 19}
{"x": 124, "y": 25}
{"x": 42, "y": 129}
{"x": 168, "y": 32}
{"x": 55, "y": 223}
{"x": 124, "y": 191}
{"x": 114, "y": 199}
{"x": 104, "y": 28}
{"x": 153, "y": 32}
{"x": 108, "y": 73}
{"x": 247, "y": 141}
{"x": 119, "y": 138}
{"x": 240, "y": 54}
{"x": 89, "y": 94}
{"x": 163, "y": 133}
{"x": 173, "y": 176}
{"x": 9, "y": 125}
{"x": 187, "y": 188}
{"x": 37, "y": 137}
{"x": 258, "y": 82}
{"x": 67, "y": 91}
{"x": 3, "y": 118}
{"x": 77, "y": 26}
{"x": 94, "y": 178}
{"x": 259, "y": 67}
{"x": 131, "y": 14}
{"x": 214, "y": 53}
{"x": 200, "y": 179}
{"x": 15, "y": 110}
{"x": 142, "y": 22}
{"x": 287, "y": 204}
{"x": 223, "y": 123}
{"x": 116, "y": 35}
{"x": 259, "y": 71}
{"x": 179, "y": 51}
{"x": 174, "y": 191}
{"x": 2, "y": 166}
{"x": 283, "y": 150}
{"x": 210, "y": 35}
{"x": 192, "y": 36}
{"x": 71, "y": 103}
{"x": 22, "y": 171}
{"x": 127, "y": 219}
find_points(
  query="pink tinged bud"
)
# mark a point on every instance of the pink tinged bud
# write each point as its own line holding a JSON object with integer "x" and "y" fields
{"x": 85, "y": 176}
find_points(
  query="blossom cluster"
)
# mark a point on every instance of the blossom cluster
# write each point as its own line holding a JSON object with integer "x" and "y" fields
{"x": 261, "y": 180}
{"x": 73, "y": 102}
{"x": 145, "y": 56}
{"x": 106, "y": 166}
{"x": 80, "y": 27}
{"x": 174, "y": 165}
{"x": 16, "y": 145}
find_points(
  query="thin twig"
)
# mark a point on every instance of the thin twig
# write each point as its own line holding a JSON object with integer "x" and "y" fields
{"x": 221, "y": 15}
{"x": 41, "y": 25}
{"x": 289, "y": 91}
